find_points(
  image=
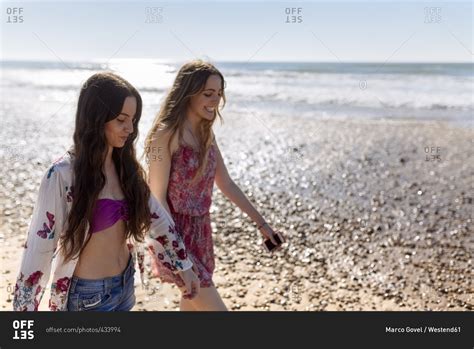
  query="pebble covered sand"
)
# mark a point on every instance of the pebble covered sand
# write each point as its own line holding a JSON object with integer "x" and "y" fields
{"x": 377, "y": 215}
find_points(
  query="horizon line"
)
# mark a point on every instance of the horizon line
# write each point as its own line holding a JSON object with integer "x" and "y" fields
{"x": 171, "y": 61}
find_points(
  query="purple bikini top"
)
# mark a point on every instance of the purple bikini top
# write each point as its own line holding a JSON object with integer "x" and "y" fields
{"x": 107, "y": 212}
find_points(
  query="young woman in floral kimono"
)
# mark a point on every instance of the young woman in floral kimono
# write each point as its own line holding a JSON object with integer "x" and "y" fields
{"x": 95, "y": 210}
{"x": 184, "y": 163}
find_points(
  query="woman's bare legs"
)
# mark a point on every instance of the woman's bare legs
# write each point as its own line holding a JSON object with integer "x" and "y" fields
{"x": 208, "y": 299}
{"x": 186, "y": 305}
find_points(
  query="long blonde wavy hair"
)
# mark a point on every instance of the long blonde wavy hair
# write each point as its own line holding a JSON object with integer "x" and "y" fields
{"x": 190, "y": 81}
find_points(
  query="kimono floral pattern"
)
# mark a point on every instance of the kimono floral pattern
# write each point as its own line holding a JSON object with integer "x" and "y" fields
{"x": 47, "y": 232}
{"x": 60, "y": 289}
{"x": 189, "y": 203}
{"x": 41, "y": 257}
{"x": 26, "y": 289}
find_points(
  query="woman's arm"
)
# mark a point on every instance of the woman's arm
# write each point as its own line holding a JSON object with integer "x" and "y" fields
{"x": 228, "y": 187}
{"x": 43, "y": 235}
{"x": 166, "y": 244}
{"x": 159, "y": 162}
{"x": 162, "y": 229}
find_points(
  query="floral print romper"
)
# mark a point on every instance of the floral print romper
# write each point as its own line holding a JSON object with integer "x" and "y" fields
{"x": 189, "y": 204}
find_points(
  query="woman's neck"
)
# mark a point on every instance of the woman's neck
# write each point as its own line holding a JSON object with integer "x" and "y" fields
{"x": 108, "y": 159}
{"x": 192, "y": 123}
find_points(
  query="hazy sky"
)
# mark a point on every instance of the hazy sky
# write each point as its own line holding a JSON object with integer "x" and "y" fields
{"x": 348, "y": 31}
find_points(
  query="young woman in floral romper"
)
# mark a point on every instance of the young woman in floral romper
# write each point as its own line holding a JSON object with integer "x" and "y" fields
{"x": 184, "y": 162}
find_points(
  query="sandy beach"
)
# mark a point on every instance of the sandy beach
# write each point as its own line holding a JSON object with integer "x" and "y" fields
{"x": 377, "y": 215}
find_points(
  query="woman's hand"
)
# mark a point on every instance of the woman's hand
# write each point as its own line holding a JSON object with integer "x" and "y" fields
{"x": 269, "y": 233}
{"x": 191, "y": 283}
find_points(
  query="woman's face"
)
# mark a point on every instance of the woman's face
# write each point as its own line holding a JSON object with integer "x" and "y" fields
{"x": 205, "y": 103}
{"x": 118, "y": 129}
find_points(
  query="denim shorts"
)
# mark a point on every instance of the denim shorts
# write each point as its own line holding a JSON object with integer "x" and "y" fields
{"x": 115, "y": 293}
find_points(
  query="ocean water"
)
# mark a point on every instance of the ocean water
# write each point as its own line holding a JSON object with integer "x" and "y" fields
{"x": 318, "y": 90}
{"x": 329, "y": 90}
{"x": 38, "y": 99}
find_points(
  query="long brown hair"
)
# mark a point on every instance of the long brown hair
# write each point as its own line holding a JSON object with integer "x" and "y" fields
{"x": 190, "y": 81}
{"x": 101, "y": 100}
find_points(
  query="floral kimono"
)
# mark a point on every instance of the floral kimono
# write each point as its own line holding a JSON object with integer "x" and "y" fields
{"x": 42, "y": 254}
